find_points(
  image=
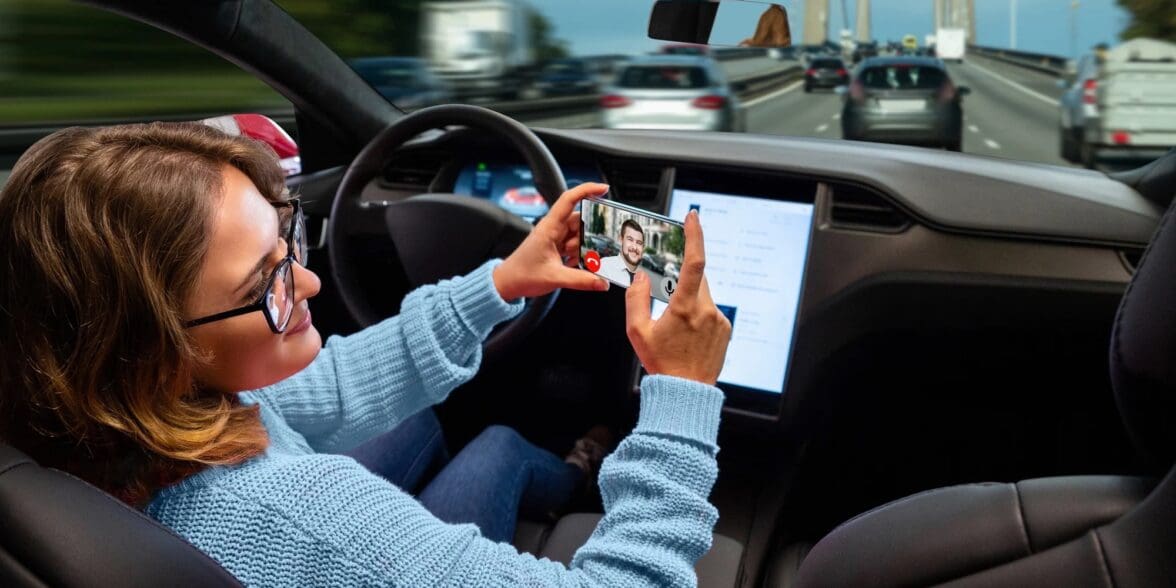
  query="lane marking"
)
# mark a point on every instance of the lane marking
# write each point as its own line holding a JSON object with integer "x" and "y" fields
{"x": 822, "y": 128}
{"x": 974, "y": 128}
{"x": 837, "y": 116}
{"x": 1027, "y": 91}
{"x": 780, "y": 92}
{"x": 992, "y": 144}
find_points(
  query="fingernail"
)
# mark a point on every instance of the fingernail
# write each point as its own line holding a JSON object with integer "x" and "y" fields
{"x": 602, "y": 285}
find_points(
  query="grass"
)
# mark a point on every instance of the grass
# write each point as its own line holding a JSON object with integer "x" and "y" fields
{"x": 37, "y": 99}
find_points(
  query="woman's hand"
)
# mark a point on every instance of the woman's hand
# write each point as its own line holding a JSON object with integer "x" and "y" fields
{"x": 690, "y": 339}
{"x": 537, "y": 267}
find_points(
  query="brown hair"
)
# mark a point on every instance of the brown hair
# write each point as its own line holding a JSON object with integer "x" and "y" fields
{"x": 632, "y": 224}
{"x": 103, "y": 232}
{"x": 772, "y": 30}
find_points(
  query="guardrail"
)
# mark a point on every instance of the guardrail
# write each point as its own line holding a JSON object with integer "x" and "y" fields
{"x": 1054, "y": 65}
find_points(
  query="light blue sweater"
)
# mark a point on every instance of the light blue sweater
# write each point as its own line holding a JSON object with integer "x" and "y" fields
{"x": 299, "y": 516}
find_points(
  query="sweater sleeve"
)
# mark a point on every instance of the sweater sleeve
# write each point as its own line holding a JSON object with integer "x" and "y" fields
{"x": 364, "y": 384}
{"x": 323, "y": 519}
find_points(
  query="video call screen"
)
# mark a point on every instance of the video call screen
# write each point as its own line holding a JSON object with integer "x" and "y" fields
{"x": 756, "y": 251}
{"x": 619, "y": 242}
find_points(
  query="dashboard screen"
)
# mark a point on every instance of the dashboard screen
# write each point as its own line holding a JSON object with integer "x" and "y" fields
{"x": 756, "y": 251}
{"x": 512, "y": 187}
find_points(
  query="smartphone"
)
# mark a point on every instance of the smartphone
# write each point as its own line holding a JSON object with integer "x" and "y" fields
{"x": 617, "y": 241}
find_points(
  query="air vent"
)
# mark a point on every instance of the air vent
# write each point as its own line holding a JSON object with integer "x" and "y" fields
{"x": 634, "y": 182}
{"x": 414, "y": 171}
{"x": 860, "y": 209}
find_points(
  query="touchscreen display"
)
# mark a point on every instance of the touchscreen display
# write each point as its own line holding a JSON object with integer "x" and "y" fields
{"x": 755, "y": 256}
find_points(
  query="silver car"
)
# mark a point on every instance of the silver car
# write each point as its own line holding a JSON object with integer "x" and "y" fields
{"x": 671, "y": 92}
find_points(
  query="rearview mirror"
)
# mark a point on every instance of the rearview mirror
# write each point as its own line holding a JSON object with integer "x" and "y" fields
{"x": 726, "y": 23}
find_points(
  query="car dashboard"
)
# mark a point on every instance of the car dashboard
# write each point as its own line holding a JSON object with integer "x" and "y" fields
{"x": 890, "y": 239}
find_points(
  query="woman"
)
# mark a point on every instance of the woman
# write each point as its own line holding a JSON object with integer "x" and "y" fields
{"x": 160, "y": 279}
{"x": 772, "y": 29}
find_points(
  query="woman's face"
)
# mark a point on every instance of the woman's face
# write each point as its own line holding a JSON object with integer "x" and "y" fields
{"x": 245, "y": 354}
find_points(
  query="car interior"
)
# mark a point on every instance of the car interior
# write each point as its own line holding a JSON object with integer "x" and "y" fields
{"x": 952, "y": 369}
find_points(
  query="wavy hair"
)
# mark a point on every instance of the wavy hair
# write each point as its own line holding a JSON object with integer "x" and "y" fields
{"x": 103, "y": 232}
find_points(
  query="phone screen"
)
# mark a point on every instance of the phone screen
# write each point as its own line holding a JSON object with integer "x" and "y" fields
{"x": 617, "y": 241}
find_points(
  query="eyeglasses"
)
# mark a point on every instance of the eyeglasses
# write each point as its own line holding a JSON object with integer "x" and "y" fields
{"x": 277, "y": 299}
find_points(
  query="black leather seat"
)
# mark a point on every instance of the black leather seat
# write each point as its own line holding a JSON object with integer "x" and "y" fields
{"x": 56, "y": 530}
{"x": 1070, "y": 531}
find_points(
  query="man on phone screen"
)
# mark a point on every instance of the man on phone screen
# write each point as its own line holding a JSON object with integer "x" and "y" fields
{"x": 620, "y": 268}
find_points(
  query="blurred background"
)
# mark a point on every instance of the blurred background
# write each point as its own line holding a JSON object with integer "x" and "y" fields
{"x": 1068, "y": 82}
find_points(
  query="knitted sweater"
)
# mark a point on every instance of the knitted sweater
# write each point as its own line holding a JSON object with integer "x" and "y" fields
{"x": 298, "y": 515}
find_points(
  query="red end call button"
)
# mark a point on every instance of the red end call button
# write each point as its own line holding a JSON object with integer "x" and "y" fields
{"x": 592, "y": 261}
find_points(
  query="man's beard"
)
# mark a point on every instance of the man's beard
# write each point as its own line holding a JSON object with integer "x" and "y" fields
{"x": 631, "y": 261}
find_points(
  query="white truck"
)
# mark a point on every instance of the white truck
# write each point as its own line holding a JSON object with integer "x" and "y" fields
{"x": 951, "y": 44}
{"x": 480, "y": 48}
{"x": 1120, "y": 106}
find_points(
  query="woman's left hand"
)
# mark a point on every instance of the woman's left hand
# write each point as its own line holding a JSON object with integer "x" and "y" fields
{"x": 537, "y": 267}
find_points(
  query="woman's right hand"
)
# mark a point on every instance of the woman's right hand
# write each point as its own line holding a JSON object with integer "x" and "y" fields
{"x": 690, "y": 339}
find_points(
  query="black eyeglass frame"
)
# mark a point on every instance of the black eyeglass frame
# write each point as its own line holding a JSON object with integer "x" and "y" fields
{"x": 297, "y": 220}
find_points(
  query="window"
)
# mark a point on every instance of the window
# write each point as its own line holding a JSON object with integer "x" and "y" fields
{"x": 62, "y": 62}
{"x": 663, "y": 77}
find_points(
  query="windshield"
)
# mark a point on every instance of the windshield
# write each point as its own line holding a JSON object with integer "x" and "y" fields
{"x": 1083, "y": 84}
{"x": 1007, "y": 87}
{"x": 662, "y": 77}
{"x": 902, "y": 77}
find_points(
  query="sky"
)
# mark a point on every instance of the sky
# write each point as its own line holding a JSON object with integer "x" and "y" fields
{"x": 619, "y": 26}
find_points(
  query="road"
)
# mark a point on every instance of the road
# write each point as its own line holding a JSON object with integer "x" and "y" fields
{"x": 1012, "y": 112}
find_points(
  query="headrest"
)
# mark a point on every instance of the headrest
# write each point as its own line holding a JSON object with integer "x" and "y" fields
{"x": 56, "y": 530}
{"x": 1143, "y": 346}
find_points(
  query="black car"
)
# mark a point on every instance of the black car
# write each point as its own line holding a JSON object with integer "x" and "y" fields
{"x": 825, "y": 72}
{"x": 567, "y": 77}
{"x": 404, "y": 81}
{"x": 602, "y": 245}
{"x": 865, "y": 51}
{"x": 908, "y": 100}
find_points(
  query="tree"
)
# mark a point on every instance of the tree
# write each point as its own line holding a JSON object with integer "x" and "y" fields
{"x": 1154, "y": 19}
{"x": 597, "y": 227}
{"x": 547, "y": 47}
{"x": 674, "y": 243}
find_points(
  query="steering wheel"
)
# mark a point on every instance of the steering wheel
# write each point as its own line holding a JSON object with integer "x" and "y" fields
{"x": 436, "y": 236}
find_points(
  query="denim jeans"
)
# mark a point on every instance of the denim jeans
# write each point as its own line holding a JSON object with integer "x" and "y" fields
{"x": 495, "y": 478}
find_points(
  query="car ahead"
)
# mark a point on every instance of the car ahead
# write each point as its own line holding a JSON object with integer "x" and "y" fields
{"x": 865, "y": 50}
{"x": 684, "y": 49}
{"x": 909, "y": 100}
{"x": 671, "y": 92}
{"x": 564, "y": 77}
{"x": 1117, "y": 108}
{"x": 825, "y": 72}
{"x": 404, "y": 81}
{"x": 604, "y": 246}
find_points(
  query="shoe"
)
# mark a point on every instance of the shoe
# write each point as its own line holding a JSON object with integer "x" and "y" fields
{"x": 590, "y": 450}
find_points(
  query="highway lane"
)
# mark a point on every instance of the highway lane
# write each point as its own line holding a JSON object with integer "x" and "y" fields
{"x": 1000, "y": 119}
{"x": 1012, "y": 112}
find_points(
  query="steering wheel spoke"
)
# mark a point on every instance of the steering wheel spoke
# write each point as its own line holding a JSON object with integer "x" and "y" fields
{"x": 435, "y": 236}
